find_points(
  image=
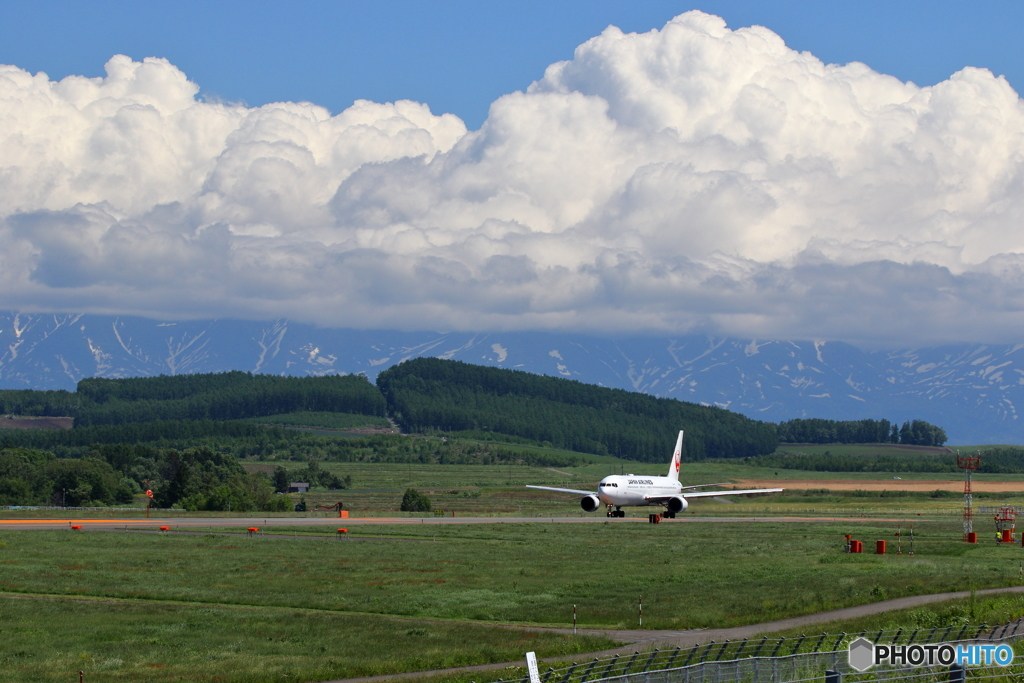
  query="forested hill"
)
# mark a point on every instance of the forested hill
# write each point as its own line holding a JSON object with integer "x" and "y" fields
{"x": 219, "y": 396}
{"x": 432, "y": 394}
{"x": 423, "y": 395}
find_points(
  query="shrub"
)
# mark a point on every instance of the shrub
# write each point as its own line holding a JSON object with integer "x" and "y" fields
{"x": 278, "y": 504}
{"x": 414, "y": 501}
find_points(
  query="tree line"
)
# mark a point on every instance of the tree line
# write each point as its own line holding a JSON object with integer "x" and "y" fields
{"x": 215, "y": 396}
{"x": 913, "y": 432}
{"x": 193, "y": 479}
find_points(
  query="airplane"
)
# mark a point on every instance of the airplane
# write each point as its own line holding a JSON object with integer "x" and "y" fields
{"x": 620, "y": 491}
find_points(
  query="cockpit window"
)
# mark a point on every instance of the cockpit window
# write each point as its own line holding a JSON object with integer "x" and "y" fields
{"x": 610, "y": 483}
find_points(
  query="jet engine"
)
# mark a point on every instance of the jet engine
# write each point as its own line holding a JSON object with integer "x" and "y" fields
{"x": 677, "y": 504}
{"x": 590, "y": 503}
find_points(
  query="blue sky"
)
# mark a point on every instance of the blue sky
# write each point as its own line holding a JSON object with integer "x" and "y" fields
{"x": 459, "y": 56}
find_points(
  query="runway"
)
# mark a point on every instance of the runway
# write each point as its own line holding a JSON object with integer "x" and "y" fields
{"x": 267, "y": 523}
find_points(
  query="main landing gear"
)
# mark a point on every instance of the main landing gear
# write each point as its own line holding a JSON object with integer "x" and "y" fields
{"x": 617, "y": 512}
{"x": 668, "y": 514}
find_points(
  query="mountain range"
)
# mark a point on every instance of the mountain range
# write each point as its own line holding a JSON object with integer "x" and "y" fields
{"x": 970, "y": 390}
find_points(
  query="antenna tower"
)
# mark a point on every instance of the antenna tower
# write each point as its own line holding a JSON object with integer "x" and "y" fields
{"x": 968, "y": 464}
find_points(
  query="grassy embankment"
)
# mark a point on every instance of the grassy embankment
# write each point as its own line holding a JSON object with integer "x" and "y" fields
{"x": 156, "y": 606}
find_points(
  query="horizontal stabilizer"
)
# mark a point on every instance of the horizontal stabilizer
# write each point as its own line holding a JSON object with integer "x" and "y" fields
{"x": 552, "y": 488}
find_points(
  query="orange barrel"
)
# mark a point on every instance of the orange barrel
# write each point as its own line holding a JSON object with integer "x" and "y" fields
{"x": 344, "y": 514}
{"x": 856, "y": 547}
{"x": 879, "y": 547}
{"x": 972, "y": 537}
{"x": 1007, "y": 536}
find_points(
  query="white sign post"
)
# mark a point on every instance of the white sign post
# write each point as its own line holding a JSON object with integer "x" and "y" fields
{"x": 531, "y": 665}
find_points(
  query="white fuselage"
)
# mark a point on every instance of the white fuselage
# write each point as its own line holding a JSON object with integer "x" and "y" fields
{"x": 631, "y": 489}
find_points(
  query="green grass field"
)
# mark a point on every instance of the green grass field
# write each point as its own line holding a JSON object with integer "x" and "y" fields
{"x": 146, "y": 606}
{"x": 302, "y": 605}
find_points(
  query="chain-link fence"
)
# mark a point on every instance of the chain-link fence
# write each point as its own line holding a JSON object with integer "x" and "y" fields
{"x": 789, "y": 660}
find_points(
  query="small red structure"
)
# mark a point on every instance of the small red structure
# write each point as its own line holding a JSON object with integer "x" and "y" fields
{"x": 1006, "y": 524}
{"x": 253, "y": 530}
{"x": 76, "y": 527}
{"x": 879, "y": 547}
{"x": 165, "y": 528}
{"x": 339, "y": 506}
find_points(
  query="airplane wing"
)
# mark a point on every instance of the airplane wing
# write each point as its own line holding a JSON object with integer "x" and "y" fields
{"x": 698, "y": 486}
{"x": 703, "y": 494}
{"x": 551, "y": 488}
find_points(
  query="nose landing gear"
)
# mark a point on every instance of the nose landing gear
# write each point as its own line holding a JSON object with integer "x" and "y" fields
{"x": 617, "y": 512}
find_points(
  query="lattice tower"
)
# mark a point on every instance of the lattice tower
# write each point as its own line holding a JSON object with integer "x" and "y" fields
{"x": 968, "y": 464}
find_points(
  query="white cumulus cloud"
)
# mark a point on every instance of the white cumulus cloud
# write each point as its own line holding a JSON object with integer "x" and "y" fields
{"x": 691, "y": 178}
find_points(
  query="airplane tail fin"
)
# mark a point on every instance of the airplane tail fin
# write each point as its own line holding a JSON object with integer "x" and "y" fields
{"x": 677, "y": 457}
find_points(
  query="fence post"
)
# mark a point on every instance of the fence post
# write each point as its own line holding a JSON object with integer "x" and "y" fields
{"x": 610, "y": 665}
{"x": 693, "y": 651}
{"x": 629, "y": 664}
{"x": 673, "y": 658}
{"x": 956, "y": 673}
{"x": 721, "y": 650}
{"x": 760, "y": 645}
{"x": 590, "y": 668}
{"x": 817, "y": 646}
{"x": 832, "y": 676}
{"x": 779, "y": 646}
{"x": 568, "y": 675}
{"x": 835, "y": 648}
{"x": 647, "y": 666}
{"x": 896, "y": 638}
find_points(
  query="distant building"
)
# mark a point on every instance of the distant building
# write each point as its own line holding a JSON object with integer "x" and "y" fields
{"x": 298, "y": 487}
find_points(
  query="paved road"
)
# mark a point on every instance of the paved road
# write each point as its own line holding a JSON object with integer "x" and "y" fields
{"x": 266, "y": 523}
{"x": 648, "y": 640}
